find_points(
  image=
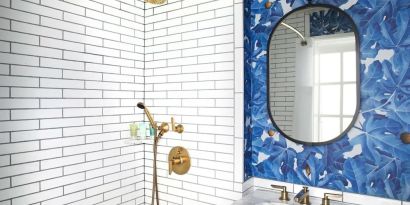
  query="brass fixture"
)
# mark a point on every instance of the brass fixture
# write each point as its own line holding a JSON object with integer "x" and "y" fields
{"x": 307, "y": 170}
{"x": 405, "y": 137}
{"x": 148, "y": 114}
{"x": 303, "y": 196}
{"x": 179, "y": 128}
{"x": 155, "y": 1}
{"x": 179, "y": 160}
{"x": 268, "y": 4}
{"x": 271, "y": 133}
{"x": 163, "y": 128}
{"x": 326, "y": 200}
{"x": 284, "y": 195}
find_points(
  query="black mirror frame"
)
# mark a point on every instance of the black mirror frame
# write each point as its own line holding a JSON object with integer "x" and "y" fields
{"x": 358, "y": 83}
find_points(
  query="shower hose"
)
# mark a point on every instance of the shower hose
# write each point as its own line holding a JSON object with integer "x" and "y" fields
{"x": 154, "y": 174}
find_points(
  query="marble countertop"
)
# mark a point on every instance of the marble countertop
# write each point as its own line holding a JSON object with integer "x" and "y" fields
{"x": 270, "y": 197}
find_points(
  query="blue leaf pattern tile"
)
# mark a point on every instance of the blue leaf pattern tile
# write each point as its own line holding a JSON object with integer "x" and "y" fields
{"x": 370, "y": 159}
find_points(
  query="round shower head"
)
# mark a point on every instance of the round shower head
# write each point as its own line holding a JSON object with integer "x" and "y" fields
{"x": 141, "y": 105}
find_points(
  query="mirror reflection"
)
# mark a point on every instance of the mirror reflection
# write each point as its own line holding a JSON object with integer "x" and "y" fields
{"x": 313, "y": 74}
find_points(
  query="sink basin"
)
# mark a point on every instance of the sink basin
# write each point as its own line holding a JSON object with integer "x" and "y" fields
{"x": 271, "y": 203}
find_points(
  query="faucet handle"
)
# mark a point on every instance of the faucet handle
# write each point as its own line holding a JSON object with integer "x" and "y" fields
{"x": 326, "y": 200}
{"x": 284, "y": 195}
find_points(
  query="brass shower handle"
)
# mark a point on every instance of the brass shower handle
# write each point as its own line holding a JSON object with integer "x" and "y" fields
{"x": 179, "y": 160}
{"x": 179, "y": 128}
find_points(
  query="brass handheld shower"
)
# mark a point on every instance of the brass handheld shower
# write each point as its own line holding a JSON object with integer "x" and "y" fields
{"x": 163, "y": 128}
{"x": 150, "y": 118}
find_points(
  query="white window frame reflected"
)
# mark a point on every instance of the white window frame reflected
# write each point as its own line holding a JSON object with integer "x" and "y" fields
{"x": 338, "y": 43}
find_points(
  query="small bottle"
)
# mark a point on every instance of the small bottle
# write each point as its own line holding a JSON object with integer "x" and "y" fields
{"x": 152, "y": 132}
{"x": 142, "y": 130}
{"x": 148, "y": 131}
{"x": 134, "y": 131}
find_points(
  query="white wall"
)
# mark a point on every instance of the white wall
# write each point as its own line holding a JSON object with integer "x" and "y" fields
{"x": 194, "y": 72}
{"x": 70, "y": 74}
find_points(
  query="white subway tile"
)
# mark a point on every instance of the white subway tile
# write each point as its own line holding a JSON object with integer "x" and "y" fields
{"x": 67, "y": 6}
{"x": 37, "y": 197}
{"x": 62, "y": 103}
{"x": 36, "y": 93}
{"x": 70, "y": 55}
{"x": 18, "y": 59}
{"x": 102, "y": 16}
{"x": 62, "y": 142}
{"x": 18, "y": 191}
{"x": 65, "y": 199}
{"x": 103, "y": 188}
{"x": 78, "y": 112}
{"x": 36, "y": 9}
{"x": 61, "y": 181}
{"x": 7, "y": 126}
{"x": 19, "y": 15}
{"x": 61, "y": 44}
{"x": 198, "y": 17}
{"x": 84, "y": 130}
{"x": 83, "y": 20}
{"x": 35, "y": 71}
{"x": 68, "y": 93}
{"x": 19, "y": 169}
{"x": 83, "y": 167}
{"x": 36, "y": 176}
{"x": 35, "y": 156}
{"x": 83, "y": 185}
{"x": 80, "y": 38}
{"x": 61, "y": 83}
{"x": 65, "y": 122}
{"x": 35, "y": 135}
{"x": 57, "y": 63}
{"x": 119, "y": 13}
{"x": 102, "y": 68}
{"x": 62, "y": 25}
{"x": 35, "y": 114}
{"x": 18, "y": 81}
{"x": 228, "y": 20}
{"x": 80, "y": 149}
{"x": 62, "y": 161}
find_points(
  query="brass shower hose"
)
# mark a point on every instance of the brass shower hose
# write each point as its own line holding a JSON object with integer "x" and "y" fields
{"x": 154, "y": 175}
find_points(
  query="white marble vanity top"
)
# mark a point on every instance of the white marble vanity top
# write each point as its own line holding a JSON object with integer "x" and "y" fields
{"x": 269, "y": 197}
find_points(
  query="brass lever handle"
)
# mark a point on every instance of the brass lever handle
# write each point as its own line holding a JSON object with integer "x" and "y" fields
{"x": 326, "y": 200}
{"x": 179, "y": 128}
{"x": 284, "y": 195}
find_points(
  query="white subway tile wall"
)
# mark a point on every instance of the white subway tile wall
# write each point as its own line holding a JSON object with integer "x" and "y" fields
{"x": 71, "y": 73}
{"x": 194, "y": 72}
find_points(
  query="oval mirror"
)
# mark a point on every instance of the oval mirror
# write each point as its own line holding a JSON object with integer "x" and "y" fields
{"x": 313, "y": 75}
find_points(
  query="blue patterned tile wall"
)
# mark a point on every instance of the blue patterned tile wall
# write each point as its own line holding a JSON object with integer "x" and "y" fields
{"x": 370, "y": 159}
{"x": 329, "y": 21}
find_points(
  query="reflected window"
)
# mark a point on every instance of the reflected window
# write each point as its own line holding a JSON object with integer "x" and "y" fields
{"x": 335, "y": 85}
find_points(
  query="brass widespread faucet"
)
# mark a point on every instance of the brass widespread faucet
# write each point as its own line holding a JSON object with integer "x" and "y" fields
{"x": 303, "y": 196}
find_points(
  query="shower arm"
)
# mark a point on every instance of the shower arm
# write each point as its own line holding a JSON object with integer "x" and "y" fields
{"x": 296, "y": 31}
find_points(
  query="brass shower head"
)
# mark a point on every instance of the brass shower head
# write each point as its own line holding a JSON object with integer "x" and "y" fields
{"x": 156, "y": 1}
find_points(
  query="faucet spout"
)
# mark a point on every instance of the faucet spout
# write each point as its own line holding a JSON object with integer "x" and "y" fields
{"x": 303, "y": 196}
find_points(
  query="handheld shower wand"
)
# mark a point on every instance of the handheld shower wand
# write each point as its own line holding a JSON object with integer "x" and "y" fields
{"x": 150, "y": 118}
